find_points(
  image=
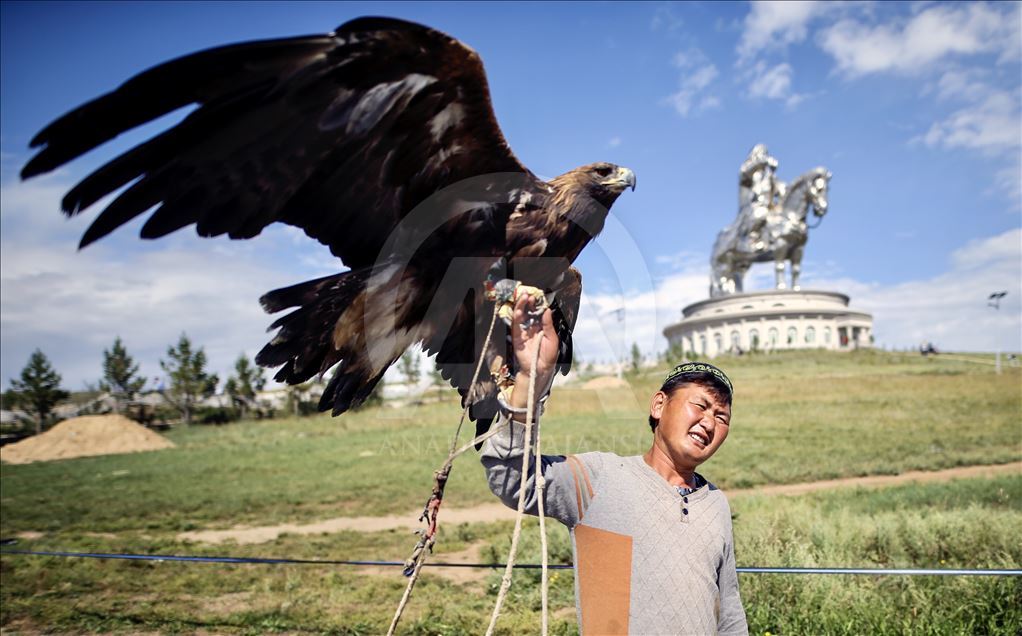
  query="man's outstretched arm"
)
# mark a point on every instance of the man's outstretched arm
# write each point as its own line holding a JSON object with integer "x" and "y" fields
{"x": 502, "y": 454}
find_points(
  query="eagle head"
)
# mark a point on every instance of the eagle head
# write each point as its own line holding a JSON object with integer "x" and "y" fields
{"x": 603, "y": 182}
{"x": 607, "y": 177}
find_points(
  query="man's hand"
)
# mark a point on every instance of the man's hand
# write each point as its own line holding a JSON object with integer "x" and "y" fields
{"x": 525, "y": 337}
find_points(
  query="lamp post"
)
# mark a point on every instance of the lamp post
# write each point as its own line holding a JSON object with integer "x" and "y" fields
{"x": 994, "y": 300}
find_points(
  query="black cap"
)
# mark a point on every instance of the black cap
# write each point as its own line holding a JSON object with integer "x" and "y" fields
{"x": 702, "y": 368}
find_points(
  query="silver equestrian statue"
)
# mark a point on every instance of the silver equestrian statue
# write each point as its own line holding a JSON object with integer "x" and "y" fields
{"x": 771, "y": 223}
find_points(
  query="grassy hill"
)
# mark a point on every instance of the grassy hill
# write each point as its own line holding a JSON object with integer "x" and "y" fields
{"x": 798, "y": 416}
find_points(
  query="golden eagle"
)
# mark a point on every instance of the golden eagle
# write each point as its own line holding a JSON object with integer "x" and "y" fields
{"x": 378, "y": 140}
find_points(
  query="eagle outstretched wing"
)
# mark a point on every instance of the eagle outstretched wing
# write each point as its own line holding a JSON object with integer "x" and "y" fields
{"x": 340, "y": 135}
{"x": 378, "y": 140}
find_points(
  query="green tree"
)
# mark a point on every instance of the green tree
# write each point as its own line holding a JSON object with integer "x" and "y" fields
{"x": 675, "y": 353}
{"x": 436, "y": 380}
{"x": 189, "y": 381}
{"x": 245, "y": 383}
{"x": 295, "y": 395}
{"x": 436, "y": 377}
{"x": 636, "y": 357}
{"x": 9, "y": 399}
{"x": 409, "y": 367}
{"x": 120, "y": 374}
{"x": 38, "y": 390}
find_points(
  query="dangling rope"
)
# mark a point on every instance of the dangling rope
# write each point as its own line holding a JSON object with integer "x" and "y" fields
{"x": 505, "y": 582}
{"x": 541, "y": 506}
{"x": 427, "y": 537}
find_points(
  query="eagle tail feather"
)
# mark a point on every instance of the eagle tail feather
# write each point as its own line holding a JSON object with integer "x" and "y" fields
{"x": 304, "y": 345}
{"x": 303, "y": 342}
{"x": 347, "y": 389}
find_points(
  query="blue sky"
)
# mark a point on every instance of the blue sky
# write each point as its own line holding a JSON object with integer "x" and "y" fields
{"x": 914, "y": 107}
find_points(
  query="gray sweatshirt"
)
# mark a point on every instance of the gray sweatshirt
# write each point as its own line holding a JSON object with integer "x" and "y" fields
{"x": 647, "y": 559}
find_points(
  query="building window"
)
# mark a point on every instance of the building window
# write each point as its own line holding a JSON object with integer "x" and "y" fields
{"x": 826, "y": 335}
{"x": 772, "y": 336}
{"x": 753, "y": 339}
{"x": 702, "y": 345}
{"x": 718, "y": 342}
{"x": 792, "y": 335}
{"x": 736, "y": 341}
{"x": 810, "y": 335}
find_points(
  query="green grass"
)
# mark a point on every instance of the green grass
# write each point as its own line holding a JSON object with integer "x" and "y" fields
{"x": 798, "y": 417}
{"x": 968, "y": 523}
{"x": 971, "y": 523}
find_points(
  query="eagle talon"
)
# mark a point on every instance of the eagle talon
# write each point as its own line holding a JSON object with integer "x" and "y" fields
{"x": 506, "y": 292}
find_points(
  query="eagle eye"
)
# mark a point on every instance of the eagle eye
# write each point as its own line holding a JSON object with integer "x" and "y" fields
{"x": 603, "y": 171}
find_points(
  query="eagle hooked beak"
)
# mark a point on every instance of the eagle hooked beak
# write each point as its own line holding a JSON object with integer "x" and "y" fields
{"x": 621, "y": 179}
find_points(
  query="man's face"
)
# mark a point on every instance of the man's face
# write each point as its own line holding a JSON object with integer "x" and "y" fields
{"x": 693, "y": 424}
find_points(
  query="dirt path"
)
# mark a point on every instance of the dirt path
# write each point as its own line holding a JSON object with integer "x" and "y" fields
{"x": 471, "y": 554}
{"x": 242, "y": 534}
{"x": 877, "y": 481}
{"x": 497, "y": 512}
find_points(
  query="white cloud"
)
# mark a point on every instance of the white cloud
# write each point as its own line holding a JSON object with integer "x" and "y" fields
{"x": 599, "y": 336}
{"x": 980, "y": 253}
{"x": 1008, "y": 179}
{"x": 614, "y": 142}
{"x": 665, "y": 19}
{"x": 72, "y": 304}
{"x": 769, "y": 28}
{"x": 931, "y": 35}
{"x": 697, "y": 73}
{"x": 948, "y": 309}
{"x": 775, "y": 25}
{"x": 980, "y": 101}
{"x": 963, "y": 83}
{"x": 709, "y": 102}
{"x": 681, "y": 260}
{"x": 771, "y": 82}
{"x": 988, "y": 120}
{"x": 992, "y": 125}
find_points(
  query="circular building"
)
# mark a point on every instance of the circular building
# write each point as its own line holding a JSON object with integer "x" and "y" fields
{"x": 769, "y": 321}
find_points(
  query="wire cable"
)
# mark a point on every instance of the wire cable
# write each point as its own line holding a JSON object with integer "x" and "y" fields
{"x": 523, "y": 566}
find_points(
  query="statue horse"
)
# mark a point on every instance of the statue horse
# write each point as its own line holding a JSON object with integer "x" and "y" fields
{"x": 781, "y": 236}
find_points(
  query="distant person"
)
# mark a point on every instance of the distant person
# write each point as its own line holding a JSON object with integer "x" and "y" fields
{"x": 653, "y": 544}
{"x": 758, "y": 190}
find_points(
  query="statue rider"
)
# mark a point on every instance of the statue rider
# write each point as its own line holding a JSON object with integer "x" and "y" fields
{"x": 758, "y": 189}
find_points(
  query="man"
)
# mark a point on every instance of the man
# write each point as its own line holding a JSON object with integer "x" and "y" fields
{"x": 758, "y": 191}
{"x": 652, "y": 539}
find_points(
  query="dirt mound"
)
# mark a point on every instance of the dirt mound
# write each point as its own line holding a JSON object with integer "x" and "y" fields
{"x": 84, "y": 437}
{"x": 605, "y": 382}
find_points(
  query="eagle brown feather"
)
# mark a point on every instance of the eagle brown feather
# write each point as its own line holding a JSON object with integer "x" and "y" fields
{"x": 378, "y": 140}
